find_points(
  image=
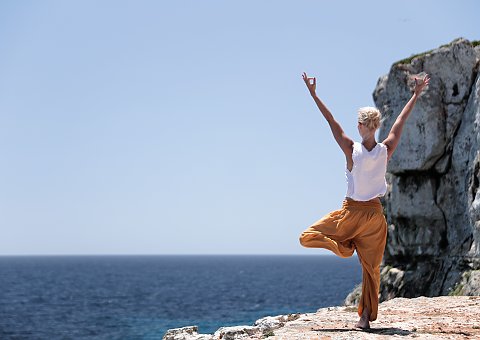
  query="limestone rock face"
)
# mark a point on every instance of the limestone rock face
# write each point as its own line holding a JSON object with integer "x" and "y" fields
{"x": 262, "y": 328}
{"x": 270, "y": 323}
{"x": 235, "y": 332}
{"x": 186, "y": 333}
{"x": 437, "y": 114}
{"x": 432, "y": 203}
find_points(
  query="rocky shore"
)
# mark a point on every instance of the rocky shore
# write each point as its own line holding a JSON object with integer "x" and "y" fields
{"x": 444, "y": 317}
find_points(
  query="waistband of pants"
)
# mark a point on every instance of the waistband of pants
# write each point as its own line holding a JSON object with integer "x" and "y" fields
{"x": 373, "y": 204}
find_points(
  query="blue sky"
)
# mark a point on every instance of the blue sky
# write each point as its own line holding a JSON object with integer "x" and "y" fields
{"x": 184, "y": 127}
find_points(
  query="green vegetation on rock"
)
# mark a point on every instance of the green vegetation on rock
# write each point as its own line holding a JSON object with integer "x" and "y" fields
{"x": 409, "y": 59}
{"x": 270, "y": 333}
{"x": 458, "y": 290}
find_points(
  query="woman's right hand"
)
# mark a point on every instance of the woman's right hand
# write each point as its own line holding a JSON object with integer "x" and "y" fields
{"x": 311, "y": 86}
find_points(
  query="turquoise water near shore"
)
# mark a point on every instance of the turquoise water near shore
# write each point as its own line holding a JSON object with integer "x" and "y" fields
{"x": 140, "y": 297}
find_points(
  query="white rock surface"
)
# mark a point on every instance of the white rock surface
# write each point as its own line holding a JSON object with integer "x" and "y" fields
{"x": 186, "y": 333}
{"x": 269, "y": 323}
{"x": 261, "y": 328}
{"x": 235, "y": 332}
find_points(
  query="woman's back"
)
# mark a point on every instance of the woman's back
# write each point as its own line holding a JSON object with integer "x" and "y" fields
{"x": 366, "y": 180}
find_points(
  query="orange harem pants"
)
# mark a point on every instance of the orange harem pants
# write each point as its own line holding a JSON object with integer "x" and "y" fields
{"x": 357, "y": 225}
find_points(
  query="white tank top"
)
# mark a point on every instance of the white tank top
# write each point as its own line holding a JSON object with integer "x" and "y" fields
{"x": 367, "y": 178}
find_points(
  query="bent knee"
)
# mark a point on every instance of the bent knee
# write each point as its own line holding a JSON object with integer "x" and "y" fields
{"x": 303, "y": 239}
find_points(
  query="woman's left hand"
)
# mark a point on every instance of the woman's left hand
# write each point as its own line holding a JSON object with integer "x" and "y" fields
{"x": 421, "y": 83}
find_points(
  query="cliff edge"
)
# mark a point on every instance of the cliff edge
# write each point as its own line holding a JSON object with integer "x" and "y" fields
{"x": 445, "y": 317}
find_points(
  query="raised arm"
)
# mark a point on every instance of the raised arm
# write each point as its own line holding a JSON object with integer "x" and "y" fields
{"x": 345, "y": 143}
{"x": 393, "y": 137}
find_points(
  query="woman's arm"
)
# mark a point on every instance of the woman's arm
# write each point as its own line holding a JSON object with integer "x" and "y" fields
{"x": 342, "y": 139}
{"x": 393, "y": 137}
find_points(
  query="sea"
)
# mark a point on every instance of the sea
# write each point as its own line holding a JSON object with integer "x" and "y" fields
{"x": 141, "y": 297}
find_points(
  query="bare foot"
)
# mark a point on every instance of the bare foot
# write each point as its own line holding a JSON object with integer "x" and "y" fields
{"x": 364, "y": 322}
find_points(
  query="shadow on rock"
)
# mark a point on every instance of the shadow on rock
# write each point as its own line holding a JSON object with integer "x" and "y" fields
{"x": 383, "y": 331}
{"x": 388, "y": 331}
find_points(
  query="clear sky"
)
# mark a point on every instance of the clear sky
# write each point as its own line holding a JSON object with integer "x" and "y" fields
{"x": 184, "y": 127}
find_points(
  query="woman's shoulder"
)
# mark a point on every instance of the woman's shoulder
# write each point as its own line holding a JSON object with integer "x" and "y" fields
{"x": 383, "y": 146}
{"x": 357, "y": 144}
{"x": 357, "y": 147}
{"x": 383, "y": 150}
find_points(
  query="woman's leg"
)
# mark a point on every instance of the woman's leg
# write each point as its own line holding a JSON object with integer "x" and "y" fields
{"x": 370, "y": 245}
{"x": 332, "y": 232}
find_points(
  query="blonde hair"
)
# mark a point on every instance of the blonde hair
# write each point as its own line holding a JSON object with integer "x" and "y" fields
{"x": 370, "y": 117}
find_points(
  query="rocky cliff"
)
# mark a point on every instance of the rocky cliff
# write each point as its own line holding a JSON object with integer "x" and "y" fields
{"x": 433, "y": 204}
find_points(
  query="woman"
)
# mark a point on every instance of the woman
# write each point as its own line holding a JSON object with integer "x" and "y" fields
{"x": 360, "y": 224}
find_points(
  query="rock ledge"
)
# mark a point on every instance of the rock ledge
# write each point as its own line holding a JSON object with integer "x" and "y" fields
{"x": 444, "y": 317}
